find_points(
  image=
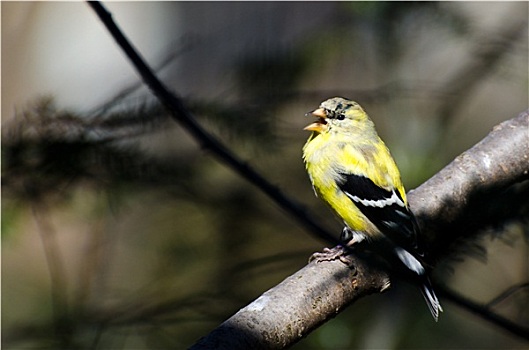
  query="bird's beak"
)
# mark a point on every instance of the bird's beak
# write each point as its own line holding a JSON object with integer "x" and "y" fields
{"x": 320, "y": 125}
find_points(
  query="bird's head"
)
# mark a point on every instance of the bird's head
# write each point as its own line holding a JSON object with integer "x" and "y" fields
{"x": 337, "y": 113}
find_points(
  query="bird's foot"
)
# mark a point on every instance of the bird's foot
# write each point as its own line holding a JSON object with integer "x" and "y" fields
{"x": 349, "y": 238}
{"x": 331, "y": 254}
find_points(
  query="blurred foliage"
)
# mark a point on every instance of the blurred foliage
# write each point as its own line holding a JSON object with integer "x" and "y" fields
{"x": 155, "y": 243}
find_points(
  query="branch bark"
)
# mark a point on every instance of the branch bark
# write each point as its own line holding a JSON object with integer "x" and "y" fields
{"x": 319, "y": 291}
{"x": 296, "y": 306}
{"x": 476, "y": 190}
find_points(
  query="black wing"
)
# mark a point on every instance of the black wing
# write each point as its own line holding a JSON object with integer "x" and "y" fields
{"x": 385, "y": 209}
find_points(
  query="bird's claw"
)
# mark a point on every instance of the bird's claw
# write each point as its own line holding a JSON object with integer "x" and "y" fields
{"x": 331, "y": 254}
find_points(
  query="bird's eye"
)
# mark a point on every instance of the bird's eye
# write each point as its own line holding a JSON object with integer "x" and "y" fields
{"x": 340, "y": 117}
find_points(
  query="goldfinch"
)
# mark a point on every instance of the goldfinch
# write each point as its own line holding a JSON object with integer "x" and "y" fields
{"x": 352, "y": 170}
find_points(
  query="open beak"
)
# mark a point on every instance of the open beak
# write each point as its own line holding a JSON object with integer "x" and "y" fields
{"x": 320, "y": 125}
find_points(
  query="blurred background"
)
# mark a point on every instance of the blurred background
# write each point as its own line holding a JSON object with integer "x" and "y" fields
{"x": 120, "y": 232}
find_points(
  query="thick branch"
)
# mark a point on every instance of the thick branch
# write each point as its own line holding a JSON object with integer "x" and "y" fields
{"x": 476, "y": 190}
{"x": 296, "y": 306}
{"x": 498, "y": 161}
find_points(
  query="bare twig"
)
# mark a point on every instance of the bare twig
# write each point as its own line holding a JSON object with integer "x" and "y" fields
{"x": 183, "y": 116}
{"x": 507, "y": 293}
{"x": 184, "y": 46}
{"x": 484, "y": 312}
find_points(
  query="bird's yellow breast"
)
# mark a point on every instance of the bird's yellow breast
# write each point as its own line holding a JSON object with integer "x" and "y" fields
{"x": 322, "y": 159}
{"x": 329, "y": 156}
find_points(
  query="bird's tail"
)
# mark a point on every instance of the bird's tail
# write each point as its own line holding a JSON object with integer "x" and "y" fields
{"x": 431, "y": 299}
{"x": 427, "y": 290}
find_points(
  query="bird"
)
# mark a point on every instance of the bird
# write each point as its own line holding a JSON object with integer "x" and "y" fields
{"x": 352, "y": 171}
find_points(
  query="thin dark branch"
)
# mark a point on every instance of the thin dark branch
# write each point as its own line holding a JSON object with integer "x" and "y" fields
{"x": 507, "y": 293}
{"x": 183, "y": 116}
{"x": 484, "y": 312}
{"x": 185, "y": 45}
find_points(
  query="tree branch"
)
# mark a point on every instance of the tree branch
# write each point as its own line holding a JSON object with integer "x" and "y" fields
{"x": 484, "y": 312}
{"x": 296, "y": 306}
{"x": 478, "y": 189}
{"x": 184, "y": 117}
{"x": 498, "y": 161}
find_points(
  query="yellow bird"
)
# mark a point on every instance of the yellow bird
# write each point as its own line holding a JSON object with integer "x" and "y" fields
{"x": 352, "y": 170}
